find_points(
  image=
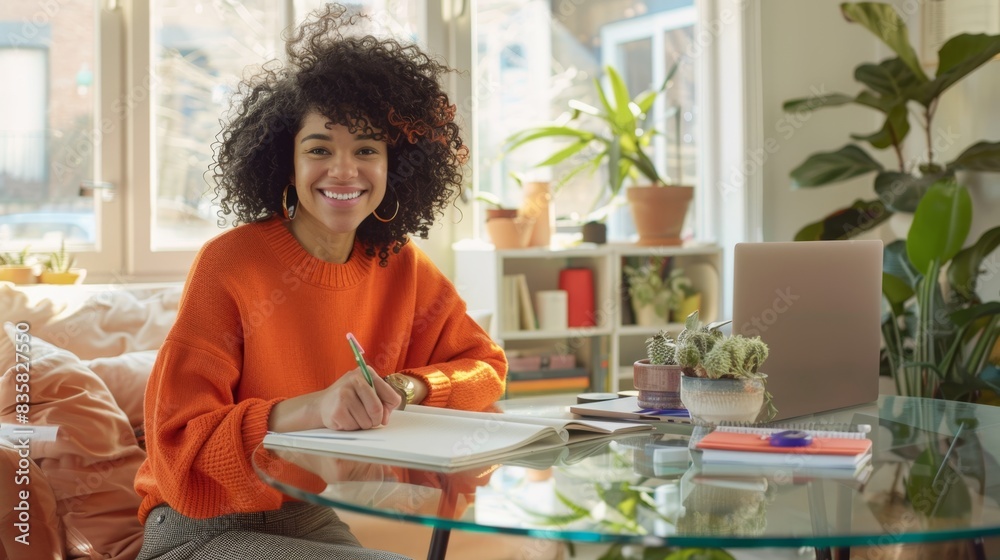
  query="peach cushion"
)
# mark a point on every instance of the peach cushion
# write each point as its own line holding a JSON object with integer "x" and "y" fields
{"x": 126, "y": 378}
{"x": 91, "y": 465}
{"x": 93, "y": 321}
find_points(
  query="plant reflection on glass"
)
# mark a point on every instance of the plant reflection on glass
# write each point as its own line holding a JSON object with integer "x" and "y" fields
{"x": 942, "y": 480}
{"x": 628, "y": 504}
{"x": 726, "y": 511}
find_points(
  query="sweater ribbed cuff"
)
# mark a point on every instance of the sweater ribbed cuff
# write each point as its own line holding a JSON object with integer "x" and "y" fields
{"x": 438, "y": 385}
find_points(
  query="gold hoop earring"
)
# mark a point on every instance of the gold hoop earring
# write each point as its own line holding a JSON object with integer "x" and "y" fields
{"x": 288, "y": 206}
{"x": 387, "y": 220}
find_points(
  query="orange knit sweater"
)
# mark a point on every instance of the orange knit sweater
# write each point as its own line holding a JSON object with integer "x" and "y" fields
{"x": 261, "y": 321}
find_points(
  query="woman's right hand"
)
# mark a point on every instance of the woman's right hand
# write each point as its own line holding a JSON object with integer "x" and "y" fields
{"x": 351, "y": 404}
{"x": 347, "y": 404}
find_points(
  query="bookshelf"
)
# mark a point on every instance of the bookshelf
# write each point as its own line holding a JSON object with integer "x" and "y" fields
{"x": 606, "y": 350}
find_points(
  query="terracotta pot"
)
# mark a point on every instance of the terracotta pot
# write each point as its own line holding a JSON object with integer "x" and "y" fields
{"x": 17, "y": 274}
{"x": 510, "y": 233}
{"x": 659, "y": 213}
{"x": 537, "y": 206}
{"x": 500, "y": 213}
{"x": 659, "y": 385}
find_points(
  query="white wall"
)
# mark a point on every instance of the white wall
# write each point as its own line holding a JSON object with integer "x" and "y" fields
{"x": 807, "y": 47}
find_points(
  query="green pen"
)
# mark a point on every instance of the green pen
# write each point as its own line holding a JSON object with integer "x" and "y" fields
{"x": 358, "y": 351}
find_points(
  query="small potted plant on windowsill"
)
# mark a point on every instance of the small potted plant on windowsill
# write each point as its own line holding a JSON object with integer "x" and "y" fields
{"x": 505, "y": 227}
{"x": 659, "y": 208}
{"x": 721, "y": 378}
{"x": 59, "y": 268}
{"x": 17, "y": 267}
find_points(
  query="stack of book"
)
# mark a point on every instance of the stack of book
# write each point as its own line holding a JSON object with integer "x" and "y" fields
{"x": 545, "y": 374}
{"x": 746, "y": 450}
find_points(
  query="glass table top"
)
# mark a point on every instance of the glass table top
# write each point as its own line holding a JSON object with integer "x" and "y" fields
{"x": 933, "y": 476}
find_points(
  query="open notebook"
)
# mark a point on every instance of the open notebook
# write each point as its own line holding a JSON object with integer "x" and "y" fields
{"x": 451, "y": 439}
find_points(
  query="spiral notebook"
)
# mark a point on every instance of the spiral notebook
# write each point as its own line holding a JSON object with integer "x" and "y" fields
{"x": 832, "y": 447}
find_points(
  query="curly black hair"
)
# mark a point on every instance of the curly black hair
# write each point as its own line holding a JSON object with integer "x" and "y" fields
{"x": 376, "y": 86}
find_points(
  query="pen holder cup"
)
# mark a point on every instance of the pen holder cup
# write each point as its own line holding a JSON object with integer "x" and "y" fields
{"x": 711, "y": 401}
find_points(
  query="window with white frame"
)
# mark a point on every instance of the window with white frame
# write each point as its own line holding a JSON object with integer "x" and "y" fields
{"x": 132, "y": 93}
{"x": 108, "y": 131}
{"x": 535, "y": 56}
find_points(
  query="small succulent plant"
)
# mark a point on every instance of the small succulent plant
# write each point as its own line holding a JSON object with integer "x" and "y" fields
{"x": 59, "y": 261}
{"x": 661, "y": 350}
{"x": 15, "y": 259}
{"x": 703, "y": 351}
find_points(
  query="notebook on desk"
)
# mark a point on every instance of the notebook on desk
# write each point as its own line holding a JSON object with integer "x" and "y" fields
{"x": 817, "y": 305}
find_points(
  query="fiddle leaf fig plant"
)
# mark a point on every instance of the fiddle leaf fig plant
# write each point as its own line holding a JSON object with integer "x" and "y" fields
{"x": 899, "y": 89}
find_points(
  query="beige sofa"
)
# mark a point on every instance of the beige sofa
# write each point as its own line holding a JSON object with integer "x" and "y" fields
{"x": 91, "y": 351}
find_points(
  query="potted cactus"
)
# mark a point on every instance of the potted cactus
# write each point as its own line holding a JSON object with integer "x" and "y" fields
{"x": 721, "y": 378}
{"x": 17, "y": 267}
{"x": 59, "y": 268}
{"x": 658, "y": 377}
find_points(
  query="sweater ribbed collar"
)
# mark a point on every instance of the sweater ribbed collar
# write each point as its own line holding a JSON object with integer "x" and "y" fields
{"x": 307, "y": 267}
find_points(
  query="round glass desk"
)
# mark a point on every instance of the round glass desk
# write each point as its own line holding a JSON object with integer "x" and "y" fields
{"x": 934, "y": 477}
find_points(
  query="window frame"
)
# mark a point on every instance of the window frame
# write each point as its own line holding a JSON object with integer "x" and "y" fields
{"x": 728, "y": 93}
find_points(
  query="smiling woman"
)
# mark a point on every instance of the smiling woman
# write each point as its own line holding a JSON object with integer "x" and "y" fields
{"x": 330, "y": 162}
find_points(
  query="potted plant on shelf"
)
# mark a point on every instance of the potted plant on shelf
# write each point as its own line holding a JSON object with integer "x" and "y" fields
{"x": 623, "y": 145}
{"x": 506, "y": 228}
{"x": 17, "y": 267}
{"x": 721, "y": 378}
{"x": 656, "y": 299}
{"x": 58, "y": 268}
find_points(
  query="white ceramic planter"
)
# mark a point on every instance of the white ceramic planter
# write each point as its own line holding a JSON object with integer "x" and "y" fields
{"x": 711, "y": 401}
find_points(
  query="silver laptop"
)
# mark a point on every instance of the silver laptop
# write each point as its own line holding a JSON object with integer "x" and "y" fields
{"x": 817, "y": 305}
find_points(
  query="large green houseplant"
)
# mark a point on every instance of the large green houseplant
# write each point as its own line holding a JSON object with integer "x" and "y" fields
{"x": 937, "y": 332}
{"x": 898, "y": 88}
{"x": 615, "y": 135}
